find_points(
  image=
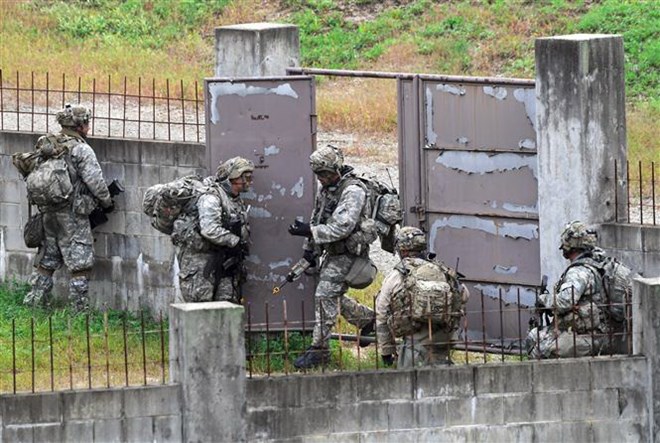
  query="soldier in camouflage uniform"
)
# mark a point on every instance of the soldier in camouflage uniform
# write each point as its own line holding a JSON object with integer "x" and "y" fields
{"x": 212, "y": 236}
{"x": 68, "y": 235}
{"x": 579, "y": 326}
{"x": 336, "y": 236}
{"x": 430, "y": 345}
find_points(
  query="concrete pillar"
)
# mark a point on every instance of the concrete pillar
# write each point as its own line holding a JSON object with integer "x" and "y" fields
{"x": 256, "y": 50}
{"x": 581, "y": 131}
{"x": 207, "y": 357}
{"x": 646, "y": 340}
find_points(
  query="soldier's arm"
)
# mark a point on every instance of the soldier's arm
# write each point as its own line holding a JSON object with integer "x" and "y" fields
{"x": 344, "y": 218}
{"x": 209, "y": 207}
{"x": 386, "y": 344}
{"x": 570, "y": 291}
{"x": 89, "y": 171}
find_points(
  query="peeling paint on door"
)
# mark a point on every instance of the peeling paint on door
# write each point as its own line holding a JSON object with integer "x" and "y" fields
{"x": 497, "y": 92}
{"x": 483, "y": 163}
{"x": 242, "y": 90}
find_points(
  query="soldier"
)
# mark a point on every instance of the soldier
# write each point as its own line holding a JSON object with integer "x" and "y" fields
{"x": 68, "y": 235}
{"x": 339, "y": 233}
{"x": 212, "y": 236}
{"x": 427, "y": 342}
{"x": 580, "y": 322}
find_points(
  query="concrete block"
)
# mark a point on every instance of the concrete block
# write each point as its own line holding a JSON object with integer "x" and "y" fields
{"x": 48, "y": 433}
{"x": 400, "y": 415}
{"x": 89, "y": 405}
{"x": 481, "y": 410}
{"x": 546, "y": 406}
{"x": 387, "y": 385}
{"x": 116, "y": 224}
{"x": 15, "y": 141}
{"x": 139, "y": 429}
{"x": 19, "y": 264}
{"x": 504, "y": 378}
{"x": 256, "y": 49}
{"x": 507, "y": 433}
{"x": 309, "y": 421}
{"x": 133, "y": 223}
{"x": 191, "y": 154}
{"x": 631, "y": 404}
{"x": 388, "y": 436}
{"x": 168, "y": 428}
{"x": 14, "y": 239}
{"x": 116, "y": 245}
{"x": 132, "y": 245}
{"x": 442, "y": 382}
{"x": 280, "y": 392}
{"x": 133, "y": 199}
{"x": 575, "y": 405}
{"x": 459, "y": 434}
{"x": 149, "y": 175}
{"x": 619, "y": 371}
{"x": 345, "y": 418}
{"x": 131, "y": 176}
{"x": 518, "y": 408}
{"x": 10, "y": 215}
{"x": 112, "y": 171}
{"x": 155, "y": 153}
{"x": 651, "y": 242}
{"x": 620, "y": 430}
{"x": 431, "y": 413}
{"x": 620, "y": 236}
{"x": 12, "y": 191}
{"x": 152, "y": 400}
{"x": 100, "y": 244}
{"x": 169, "y": 173}
{"x": 109, "y": 431}
{"x": 373, "y": 416}
{"x": 78, "y": 430}
{"x": 31, "y": 408}
{"x": 558, "y": 375}
{"x": 18, "y": 434}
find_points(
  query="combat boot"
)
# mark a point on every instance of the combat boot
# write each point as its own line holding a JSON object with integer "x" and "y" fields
{"x": 313, "y": 356}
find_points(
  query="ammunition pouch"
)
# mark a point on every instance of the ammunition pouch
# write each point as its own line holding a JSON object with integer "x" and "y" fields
{"x": 362, "y": 273}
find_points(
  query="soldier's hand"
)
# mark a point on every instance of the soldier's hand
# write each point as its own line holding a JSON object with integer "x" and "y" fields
{"x": 301, "y": 229}
{"x": 310, "y": 257}
{"x": 388, "y": 360}
{"x": 110, "y": 208}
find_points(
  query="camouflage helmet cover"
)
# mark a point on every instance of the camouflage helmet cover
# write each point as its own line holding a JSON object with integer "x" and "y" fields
{"x": 234, "y": 168}
{"x": 73, "y": 116}
{"x": 328, "y": 158}
{"x": 577, "y": 236}
{"x": 410, "y": 238}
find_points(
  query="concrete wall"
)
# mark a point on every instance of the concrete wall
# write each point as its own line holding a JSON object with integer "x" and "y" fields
{"x": 256, "y": 50}
{"x": 135, "y": 264}
{"x": 581, "y": 131}
{"x": 130, "y": 414}
{"x": 584, "y": 400}
{"x": 637, "y": 246}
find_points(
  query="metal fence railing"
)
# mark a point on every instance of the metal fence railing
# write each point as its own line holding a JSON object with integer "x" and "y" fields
{"x": 641, "y": 202}
{"x": 140, "y": 109}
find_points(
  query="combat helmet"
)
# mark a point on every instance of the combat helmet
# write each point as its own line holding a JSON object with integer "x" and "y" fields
{"x": 234, "y": 168}
{"x": 576, "y": 236}
{"x": 73, "y": 116}
{"x": 328, "y": 158}
{"x": 410, "y": 238}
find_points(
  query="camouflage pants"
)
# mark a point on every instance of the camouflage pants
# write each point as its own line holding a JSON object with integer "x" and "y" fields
{"x": 425, "y": 348}
{"x": 195, "y": 287}
{"x": 68, "y": 241}
{"x": 548, "y": 343}
{"x": 331, "y": 301}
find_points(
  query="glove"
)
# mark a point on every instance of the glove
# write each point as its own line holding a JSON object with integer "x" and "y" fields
{"x": 310, "y": 257}
{"x": 110, "y": 208}
{"x": 388, "y": 360}
{"x": 301, "y": 229}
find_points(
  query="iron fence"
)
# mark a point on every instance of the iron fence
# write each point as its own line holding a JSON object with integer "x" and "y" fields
{"x": 140, "y": 109}
{"x": 639, "y": 204}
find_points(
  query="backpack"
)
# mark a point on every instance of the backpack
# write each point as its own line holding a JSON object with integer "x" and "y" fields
{"x": 48, "y": 173}
{"x": 616, "y": 281}
{"x": 430, "y": 290}
{"x": 386, "y": 209}
{"x": 164, "y": 203}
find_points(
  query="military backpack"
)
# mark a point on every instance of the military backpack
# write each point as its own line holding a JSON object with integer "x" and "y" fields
{"x": 48, "y": 172}
{"x": 616, "y": 279}
{"x": 164, "y": 203}
{"x": 430, "y": 292}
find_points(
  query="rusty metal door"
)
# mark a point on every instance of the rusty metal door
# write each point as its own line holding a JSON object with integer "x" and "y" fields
{"x": 271, "y": 121}
{"x": 469, "y": 178}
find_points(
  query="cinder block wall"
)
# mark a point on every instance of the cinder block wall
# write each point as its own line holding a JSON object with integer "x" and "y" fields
{"x": 587, "y": 400}
{"x": 134, "y": 263}
{"x": 638, "y": 246}
{"x": 131, "y": 414}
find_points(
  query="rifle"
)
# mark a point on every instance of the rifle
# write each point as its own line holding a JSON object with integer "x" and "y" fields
{"x": 295, "y": 272}
{"x": 98, "y": 215}
{"x": 227, "y": 262}
{"x": 541, "y": 313}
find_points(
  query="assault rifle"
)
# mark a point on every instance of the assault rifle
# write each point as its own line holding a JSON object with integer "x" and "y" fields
{"x": 541, "y": 314}
{"x": 227, "y": 262}
{"x": 296, "y": 271}
{"x": 98, "y": 215}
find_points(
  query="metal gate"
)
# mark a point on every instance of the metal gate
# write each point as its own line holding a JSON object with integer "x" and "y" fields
{"x": 467, "y": 158}
{"x": 271, "y": 121}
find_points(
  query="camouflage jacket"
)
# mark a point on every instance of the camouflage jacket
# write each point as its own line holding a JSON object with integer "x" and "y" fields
{"x": 391, "y": 284}
{"x": 338, "y": 218}
{"x": 577, "y": 300}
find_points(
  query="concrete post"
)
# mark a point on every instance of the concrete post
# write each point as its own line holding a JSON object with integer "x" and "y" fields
{"x": 207, "y": 357}
{"x": 256, "y": 50}
{"x": 646, "y": 340}
{"x": 581, "y": 131}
